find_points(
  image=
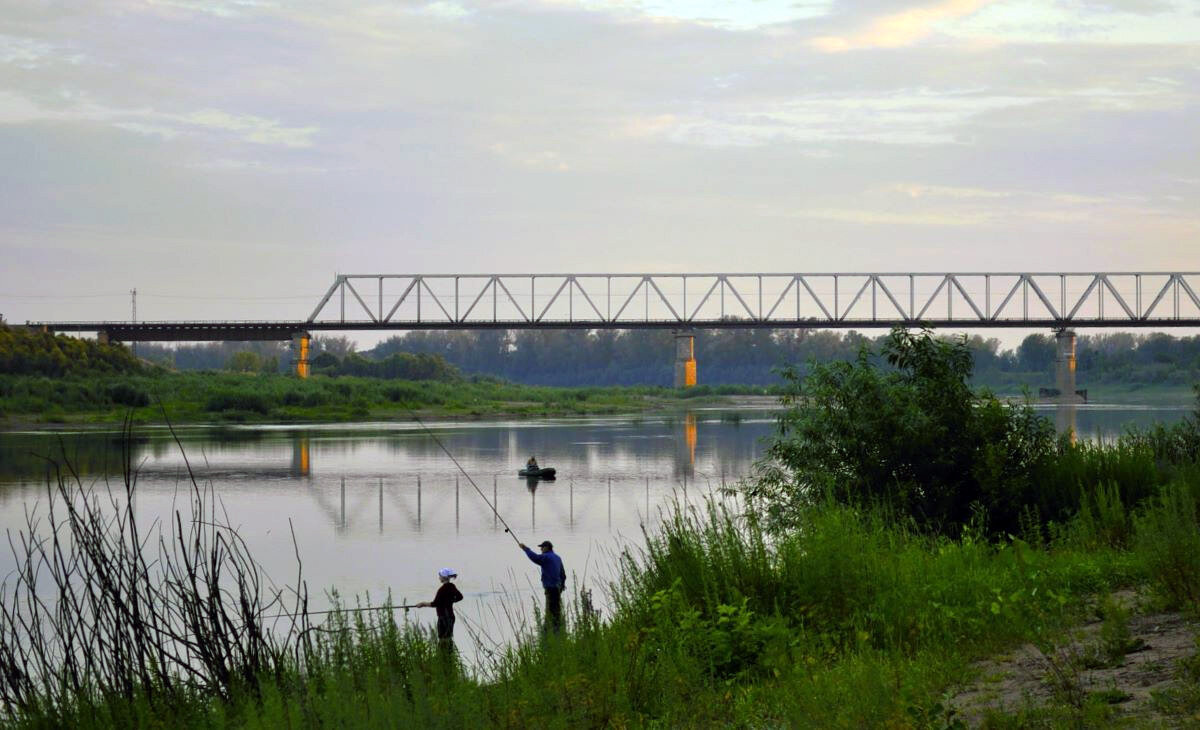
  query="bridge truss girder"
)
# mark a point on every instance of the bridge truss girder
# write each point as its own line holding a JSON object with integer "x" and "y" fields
{"x": 635, "y": 301}
{"x": 707, "y": 301}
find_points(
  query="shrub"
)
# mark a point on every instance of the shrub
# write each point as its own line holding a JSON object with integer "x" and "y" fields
{"x": 316, "y": 398}
{"x": 26, "y": 352}
{"x": 325, "y": 361}
{"x": 127, "y": 394}
{"x": 1169, "y": 538}
{"x": 238, "y": 400}
{"x": 915, "y": 438}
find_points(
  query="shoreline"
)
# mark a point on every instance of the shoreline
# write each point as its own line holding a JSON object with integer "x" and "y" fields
{"x": 99, "y": 421}
{"x": 224, "y": 399}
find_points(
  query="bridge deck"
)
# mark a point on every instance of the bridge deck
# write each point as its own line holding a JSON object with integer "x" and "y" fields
{"x": 703, "y": 301}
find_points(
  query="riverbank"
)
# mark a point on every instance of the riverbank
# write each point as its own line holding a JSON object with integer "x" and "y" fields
{"x": 217, "y": 398}
{"x": 39, "y": 402}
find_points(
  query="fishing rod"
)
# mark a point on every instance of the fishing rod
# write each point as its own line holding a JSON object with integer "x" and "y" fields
{"x": 406, "y": 607}
{"x": 344, "y": 610}
{"x": 483, "y": 496}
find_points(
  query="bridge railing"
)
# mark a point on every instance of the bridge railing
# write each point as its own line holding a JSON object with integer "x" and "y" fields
{"x": 973, "y": 299}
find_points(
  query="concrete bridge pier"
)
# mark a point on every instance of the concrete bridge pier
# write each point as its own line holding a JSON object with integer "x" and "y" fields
{"x": 1064, "y": 364}
{"x": 300, "y": 343}
{"x": 1064, "y": 372}
{"x": 685, "y": 360}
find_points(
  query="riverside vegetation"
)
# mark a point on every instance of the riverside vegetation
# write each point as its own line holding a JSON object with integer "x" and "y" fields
{"x": 57, "y": 379}
{"x": 900, "y": 527}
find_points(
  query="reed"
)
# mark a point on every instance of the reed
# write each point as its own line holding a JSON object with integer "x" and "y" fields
{"x": 100, "y": 609}
{"x": 855, "y": 618}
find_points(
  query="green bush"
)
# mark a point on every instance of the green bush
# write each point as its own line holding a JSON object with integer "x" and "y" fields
{"x": 26, "y": 352}
{"x": 1168, "y": 535}
{"x": 914, "y": 438}
{"x": 127, "y": 394}
{"x": 238, "y": 400}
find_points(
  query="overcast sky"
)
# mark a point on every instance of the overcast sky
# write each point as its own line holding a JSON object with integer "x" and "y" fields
{"x": 228, "y": 157}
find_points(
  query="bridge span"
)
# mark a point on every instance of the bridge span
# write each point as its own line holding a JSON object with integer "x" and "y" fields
{"x": 684, "y": 302}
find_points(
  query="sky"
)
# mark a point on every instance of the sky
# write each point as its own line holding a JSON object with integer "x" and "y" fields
{"x": 227, "y": 158}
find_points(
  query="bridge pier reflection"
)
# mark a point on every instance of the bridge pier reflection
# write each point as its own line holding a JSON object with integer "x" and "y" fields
{"x": 301, "y": 462}
{"x": 685, "y": 446}
{"x": 1064, "y": 420}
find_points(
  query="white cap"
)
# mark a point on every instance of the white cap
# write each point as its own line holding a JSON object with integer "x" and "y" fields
{"x": 447, "y": 573}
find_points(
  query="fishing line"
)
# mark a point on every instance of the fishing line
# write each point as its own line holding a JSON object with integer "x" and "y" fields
{"x": 482, "y": 496}
{"x": 343, "y": 610}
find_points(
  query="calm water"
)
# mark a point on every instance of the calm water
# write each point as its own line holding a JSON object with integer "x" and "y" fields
{"x": 379, "y": 506}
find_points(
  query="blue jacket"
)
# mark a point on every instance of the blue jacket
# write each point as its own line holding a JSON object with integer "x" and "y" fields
{"x": 553, "y": 573}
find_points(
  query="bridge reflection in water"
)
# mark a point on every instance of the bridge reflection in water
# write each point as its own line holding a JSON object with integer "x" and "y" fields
{"x": 407, "y": 495}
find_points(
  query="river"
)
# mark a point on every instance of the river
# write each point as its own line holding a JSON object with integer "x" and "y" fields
{"x": 379, "y": 507}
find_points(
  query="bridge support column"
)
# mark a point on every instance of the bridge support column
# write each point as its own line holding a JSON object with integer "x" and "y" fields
{"x": 685, "y": 360}
{"x": 1064, "y": 372}
{"x": 1064, "y": 364}
{"x": 300, "y": 342}
{"x": 102, "y": 337}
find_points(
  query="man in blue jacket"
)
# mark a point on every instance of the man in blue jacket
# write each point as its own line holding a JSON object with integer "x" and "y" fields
{"x": 554, "y": 579}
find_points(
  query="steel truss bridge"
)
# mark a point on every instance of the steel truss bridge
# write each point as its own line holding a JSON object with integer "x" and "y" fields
{"x": 1057, "y": 300}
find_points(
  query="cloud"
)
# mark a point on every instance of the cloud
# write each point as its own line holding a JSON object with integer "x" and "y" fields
{"x": 899, "y": 29}
{"x": 18, "y": 109}
{"x": 537, "y": 159}
{"x": 916, "y": 190}
{"x": 249, "y": 127}
{"x": 866, "y": 216}
{"x": 648, "y": 126}
{"x": 219, "y": 8}
{"x": 908, "y": 117}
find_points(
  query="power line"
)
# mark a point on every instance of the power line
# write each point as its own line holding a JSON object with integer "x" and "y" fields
{"x": 62, "y": 296}
{"x": 308, "y": 297}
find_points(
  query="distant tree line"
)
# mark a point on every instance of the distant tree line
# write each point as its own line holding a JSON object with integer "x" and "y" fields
{"x": 396, "y": 366}
{"x": 266, "y": 356}
{"x": 751, "y": 356}
{"x": 606, "y": 357}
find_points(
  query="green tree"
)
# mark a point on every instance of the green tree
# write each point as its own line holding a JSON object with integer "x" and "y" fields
{"x": 1036, "y": 353}
{"x": 245, "y": 361}
{"x": 913, "y": 437}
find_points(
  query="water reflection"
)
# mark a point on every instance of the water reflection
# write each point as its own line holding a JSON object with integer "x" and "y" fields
{"x": 1065, "y": 416}
{"x": 300, "y": 456}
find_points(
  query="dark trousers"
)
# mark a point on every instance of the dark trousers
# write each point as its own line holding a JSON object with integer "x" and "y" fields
{"x": 445, "y": 628}
{"x": 554, "y": 608}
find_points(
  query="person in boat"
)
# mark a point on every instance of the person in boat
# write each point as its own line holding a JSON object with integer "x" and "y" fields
{"x": 531, "y": 464}
{"x": 554, "y": 580}
{"x": 444, "y": 601}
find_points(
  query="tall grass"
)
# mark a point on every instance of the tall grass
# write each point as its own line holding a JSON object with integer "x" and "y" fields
{"x": 100, "y": 611}
{"x": 856, "y": 618}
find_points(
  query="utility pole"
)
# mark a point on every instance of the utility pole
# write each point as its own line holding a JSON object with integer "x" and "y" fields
{"x": 133, "y": 304}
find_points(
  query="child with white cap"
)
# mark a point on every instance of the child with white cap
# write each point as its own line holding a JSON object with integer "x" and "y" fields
{"x": 444, "y": 601}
